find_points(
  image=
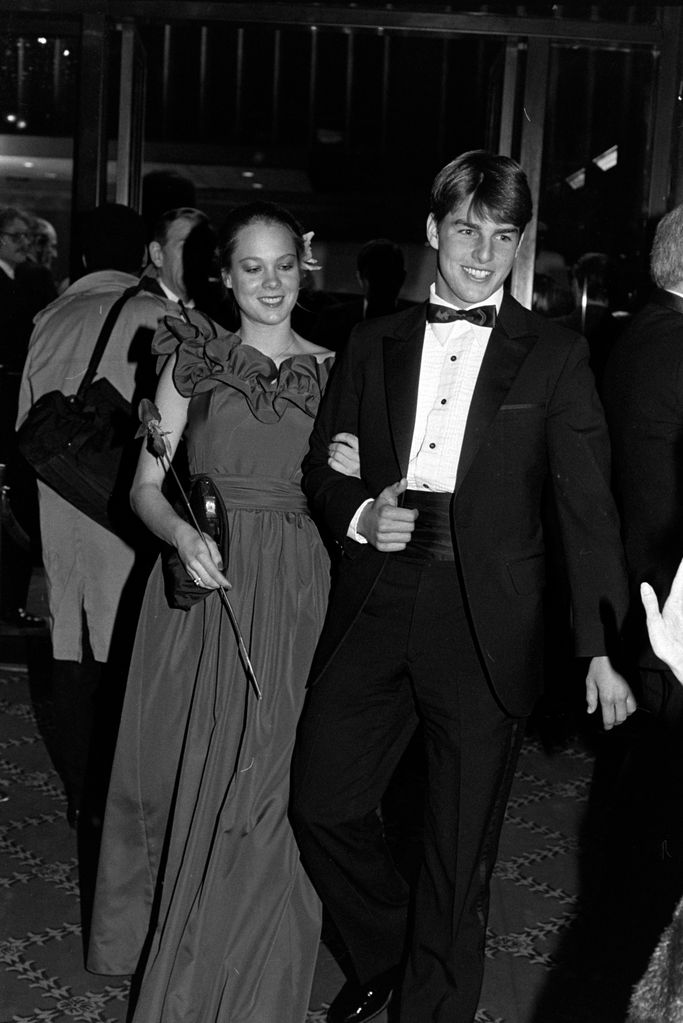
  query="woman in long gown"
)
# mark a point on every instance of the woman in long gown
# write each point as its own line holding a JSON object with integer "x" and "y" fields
{"x": 199, "y": 885}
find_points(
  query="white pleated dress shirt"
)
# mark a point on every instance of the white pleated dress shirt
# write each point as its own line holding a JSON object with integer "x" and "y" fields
{"x": 452, "y": 355}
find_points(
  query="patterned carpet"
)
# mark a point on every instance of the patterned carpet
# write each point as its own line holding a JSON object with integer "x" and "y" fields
{"x": 545, "y": 961}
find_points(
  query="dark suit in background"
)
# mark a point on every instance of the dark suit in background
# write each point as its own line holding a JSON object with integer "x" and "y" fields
{"x": 643, "y": 399}
{"x": 643, "y": 396}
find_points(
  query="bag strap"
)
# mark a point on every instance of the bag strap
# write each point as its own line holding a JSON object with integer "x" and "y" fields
{"x": 104, "y": 335}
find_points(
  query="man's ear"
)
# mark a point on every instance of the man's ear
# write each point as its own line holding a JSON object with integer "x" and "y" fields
{"x": 156, "y": 255}
{"x": 519, "y": 244}
{"x": 432, "y": 231}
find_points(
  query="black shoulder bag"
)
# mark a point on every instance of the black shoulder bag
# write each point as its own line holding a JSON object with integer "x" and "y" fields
{"x": 82, "y": 444}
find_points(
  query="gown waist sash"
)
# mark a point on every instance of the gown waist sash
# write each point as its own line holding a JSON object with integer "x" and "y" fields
{"x": 259, "y": 492}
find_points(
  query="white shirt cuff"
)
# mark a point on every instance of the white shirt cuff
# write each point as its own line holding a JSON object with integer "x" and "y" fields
{"x": 352, "y": 531}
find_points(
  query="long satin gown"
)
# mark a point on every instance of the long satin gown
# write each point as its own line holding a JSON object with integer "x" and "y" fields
{"x": 199, "y": 873}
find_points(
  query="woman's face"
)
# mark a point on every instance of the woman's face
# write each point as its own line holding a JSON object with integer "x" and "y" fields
{"x": 264, "y": 273}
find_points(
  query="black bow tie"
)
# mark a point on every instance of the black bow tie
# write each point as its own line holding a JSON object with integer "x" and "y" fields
{"x": 481, "y": 315}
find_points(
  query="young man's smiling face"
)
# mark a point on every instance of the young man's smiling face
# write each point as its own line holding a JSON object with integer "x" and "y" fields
{"x": 474, "y": 254}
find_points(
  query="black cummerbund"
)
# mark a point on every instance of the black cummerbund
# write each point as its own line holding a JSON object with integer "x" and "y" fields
{"x": 432, "y": 538}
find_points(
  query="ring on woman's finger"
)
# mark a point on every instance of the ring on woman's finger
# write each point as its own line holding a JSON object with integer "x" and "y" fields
{"x": 196, "y": 580}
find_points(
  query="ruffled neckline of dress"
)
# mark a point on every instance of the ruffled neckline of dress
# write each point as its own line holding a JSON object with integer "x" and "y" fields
{"x": 208, "y": 355}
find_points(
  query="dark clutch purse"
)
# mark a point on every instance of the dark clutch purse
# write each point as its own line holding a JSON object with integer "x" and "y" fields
{"x": 209, "y": 511}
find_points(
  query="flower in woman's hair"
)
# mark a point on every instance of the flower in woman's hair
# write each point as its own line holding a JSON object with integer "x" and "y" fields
{"x": 308, "y": 260}
{"x": 150, "y": 427}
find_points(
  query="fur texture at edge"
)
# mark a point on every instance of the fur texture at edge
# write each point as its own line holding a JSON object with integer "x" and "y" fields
{"x": 658, "y": 996}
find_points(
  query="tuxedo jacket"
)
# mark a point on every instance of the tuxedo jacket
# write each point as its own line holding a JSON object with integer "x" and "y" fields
{"x": 643, "y": 396}
{"x": 534, "y": 422}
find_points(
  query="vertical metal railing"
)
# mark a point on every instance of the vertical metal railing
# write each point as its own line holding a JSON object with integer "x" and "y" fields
{"x": 509, "y": 97}
{"x": 312, "y": 84}
{"x": 666, "y": 117}
{"x": 348, "y": 91}
{"x": 531, "y": 158}
{"x": 443, "y": 100}
{"x": 89, "y": 185}
{"x": 165, "y": 80}
{"x": 132, "y": 91}
{"x": 384, "y": 114}
{"x": 203, "y": 69}
{"x": 21, "y": 77}
{"x": 57, "y": 87}
{"x": 275, "y": 101}
{"x": 239, "y": 77}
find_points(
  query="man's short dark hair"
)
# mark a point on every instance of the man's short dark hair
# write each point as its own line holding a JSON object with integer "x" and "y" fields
{"x": 160, "y": 233}
{"x": 496, "y": 186}
{"x": 113, "y": 238}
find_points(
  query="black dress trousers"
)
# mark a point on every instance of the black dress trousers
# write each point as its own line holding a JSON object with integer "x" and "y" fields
{"x": 410, "y": 656}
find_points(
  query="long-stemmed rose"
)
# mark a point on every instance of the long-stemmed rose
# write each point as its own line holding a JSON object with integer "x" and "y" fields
{"x": 150, "y": 426}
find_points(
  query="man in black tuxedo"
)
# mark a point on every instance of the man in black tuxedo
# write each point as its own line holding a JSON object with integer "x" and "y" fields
{"x": 436, "y": 612}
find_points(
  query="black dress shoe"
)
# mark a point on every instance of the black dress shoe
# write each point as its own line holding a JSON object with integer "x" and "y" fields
{"x": 357, "y": 1003}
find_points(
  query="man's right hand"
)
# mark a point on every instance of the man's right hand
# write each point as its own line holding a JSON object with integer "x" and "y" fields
{"x": 383, "y": 524}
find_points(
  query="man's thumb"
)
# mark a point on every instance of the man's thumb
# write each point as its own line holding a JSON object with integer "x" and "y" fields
{"x": 393, "y": 491}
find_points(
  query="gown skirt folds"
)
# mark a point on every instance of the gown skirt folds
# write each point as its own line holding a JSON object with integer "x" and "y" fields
{"x": 199, "y": 886}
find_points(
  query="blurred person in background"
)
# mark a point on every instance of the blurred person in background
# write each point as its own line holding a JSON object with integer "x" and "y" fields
{"x": 89, "y": 568}
{"x": 44, "y": 245}
{"x": 24, "y": 290}
{"x": 183, "y": 264}
{"x": 597, "y": 312}
{"x": 381, "y": 274}
{"x": 550, "y": 299}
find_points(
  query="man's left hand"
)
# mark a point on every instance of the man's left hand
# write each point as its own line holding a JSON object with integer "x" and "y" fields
{"x": 607, "y": 687}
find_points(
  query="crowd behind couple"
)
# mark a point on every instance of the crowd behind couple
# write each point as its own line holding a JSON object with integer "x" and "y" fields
{"x": 419, "y": 468}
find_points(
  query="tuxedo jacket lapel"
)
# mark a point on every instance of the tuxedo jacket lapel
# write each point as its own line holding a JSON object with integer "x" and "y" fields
{"x": 402, "y": 355}
{"x": 509, "y": 344}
